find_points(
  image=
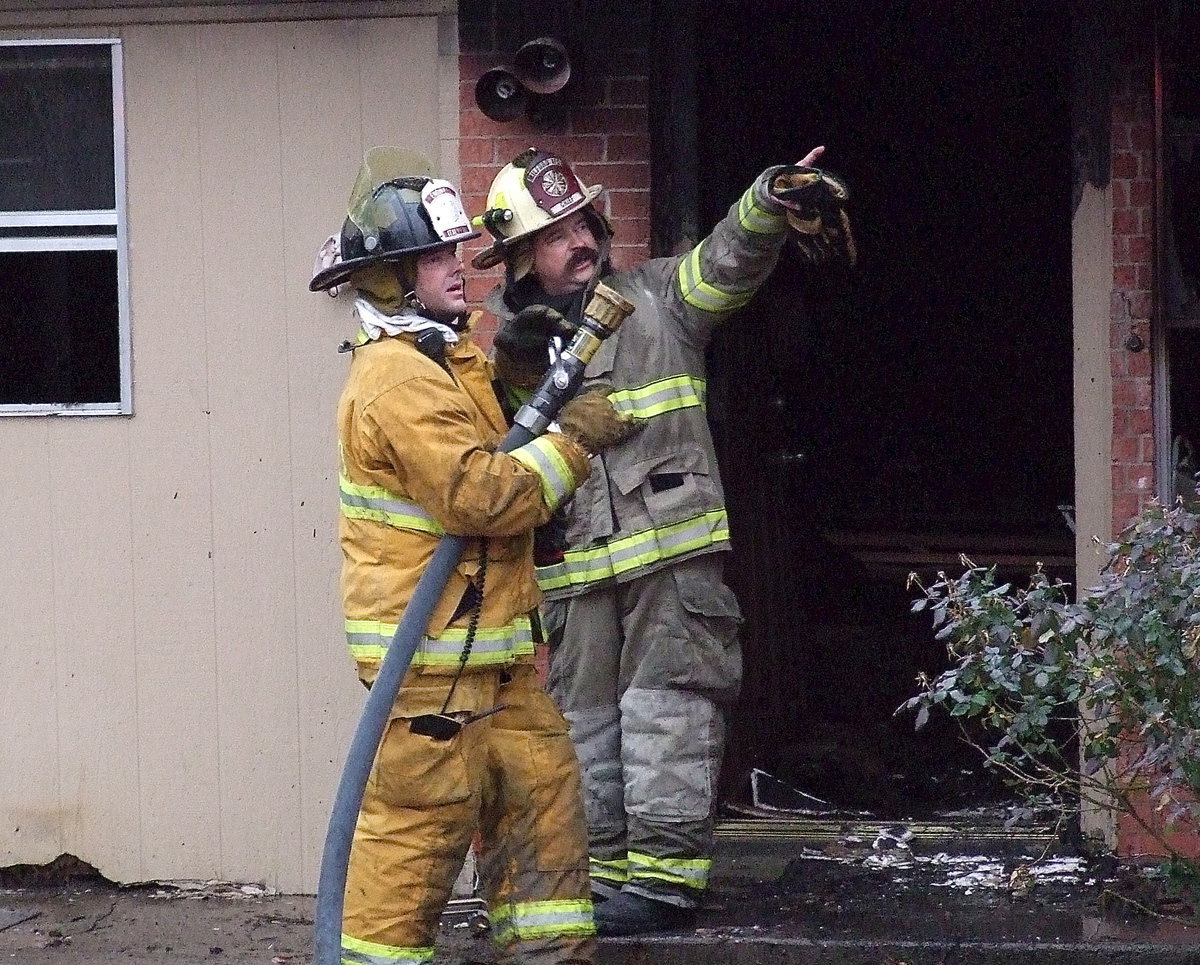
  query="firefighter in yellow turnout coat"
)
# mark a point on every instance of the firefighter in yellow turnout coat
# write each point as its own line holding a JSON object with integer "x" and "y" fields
{"x": 418, "y": 426}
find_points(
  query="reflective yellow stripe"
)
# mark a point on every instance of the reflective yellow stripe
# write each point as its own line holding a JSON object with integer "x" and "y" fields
{"x": 754, "y": 217}
{"x": 665, "y": 395}
{"x": 542, "y": 456}
{"x": 616, "y": 872}
{"x": 384, "y": 506}
{"x": 370, "y": 639}
{"x": 689, "y": 872}
{"x": 541, "y": 919}
{"x": 356, "y": 951}
{"x": 597, "y": 564}
{"x": 517, "y": 396}
{"x": 699, "y": 293}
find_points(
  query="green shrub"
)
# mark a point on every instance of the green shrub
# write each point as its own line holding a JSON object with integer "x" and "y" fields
{"x": 1095, "y": 700}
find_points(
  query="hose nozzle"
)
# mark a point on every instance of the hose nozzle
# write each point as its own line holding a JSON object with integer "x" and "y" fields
{"x": 608, "y": 309}
{"x": 605, "y": 312}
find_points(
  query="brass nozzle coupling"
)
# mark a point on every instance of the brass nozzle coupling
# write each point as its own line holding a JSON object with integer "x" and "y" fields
{"x": 605, "y": 312}
{"x": 607, "y": 308}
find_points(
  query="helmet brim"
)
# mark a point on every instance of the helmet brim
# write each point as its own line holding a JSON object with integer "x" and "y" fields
{"x": 494, "y": 254}
{"x": 336, "y": 274}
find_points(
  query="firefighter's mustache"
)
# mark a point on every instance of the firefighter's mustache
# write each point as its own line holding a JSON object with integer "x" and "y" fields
{"x": 583, "y": 258}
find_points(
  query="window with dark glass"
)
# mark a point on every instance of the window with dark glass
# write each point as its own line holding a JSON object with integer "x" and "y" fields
{"x": 63, "y": 305}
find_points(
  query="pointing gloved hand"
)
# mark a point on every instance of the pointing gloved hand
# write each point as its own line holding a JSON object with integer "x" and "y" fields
{"x": 816, "y": 210}
{"x": 592, "y": 422}
{"x": 522, "y": 345}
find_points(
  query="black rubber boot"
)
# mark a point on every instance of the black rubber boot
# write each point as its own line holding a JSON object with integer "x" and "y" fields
{"x": 631, "y": 914}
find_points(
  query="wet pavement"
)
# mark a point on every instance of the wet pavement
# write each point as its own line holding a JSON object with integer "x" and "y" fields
{"x": 827, "y": 892}
{"x": 883, "y": 894}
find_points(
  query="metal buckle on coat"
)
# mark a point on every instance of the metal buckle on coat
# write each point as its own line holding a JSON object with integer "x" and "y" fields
{"x": 443, "y": 727}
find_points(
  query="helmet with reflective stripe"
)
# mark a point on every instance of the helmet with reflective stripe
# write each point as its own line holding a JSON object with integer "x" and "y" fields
{"x": 535, "y": 190}
{"x": 397, "y": 208}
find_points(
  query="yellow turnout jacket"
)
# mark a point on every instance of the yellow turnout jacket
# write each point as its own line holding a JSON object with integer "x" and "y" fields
{"x": 418, "y": 459}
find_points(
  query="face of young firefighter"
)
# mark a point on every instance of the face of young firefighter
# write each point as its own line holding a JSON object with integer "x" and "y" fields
{"x": 565, "y": 255}
{"x": 439, "y": 284}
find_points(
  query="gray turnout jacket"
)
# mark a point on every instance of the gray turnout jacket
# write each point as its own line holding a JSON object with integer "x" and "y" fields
{"x": 657, "y": 498}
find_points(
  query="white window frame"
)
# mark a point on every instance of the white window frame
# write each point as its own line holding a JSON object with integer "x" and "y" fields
{"x": 118, "y": 242}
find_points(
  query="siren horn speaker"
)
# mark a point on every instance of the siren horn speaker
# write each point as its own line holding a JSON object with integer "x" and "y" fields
{"x": 543, "y": 65}
{"x": 500, "y": 95}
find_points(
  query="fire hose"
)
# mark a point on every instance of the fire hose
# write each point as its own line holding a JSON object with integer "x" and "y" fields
{"x": 605, "y": 312}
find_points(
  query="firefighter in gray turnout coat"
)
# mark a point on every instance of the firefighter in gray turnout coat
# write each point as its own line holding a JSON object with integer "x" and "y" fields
{"x": 645, "y": 659}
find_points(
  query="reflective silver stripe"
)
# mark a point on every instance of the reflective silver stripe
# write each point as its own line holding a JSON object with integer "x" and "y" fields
{"x": 541, "y": 919}
{"x": 754, "y": 217}
{"x": 383, "y": 506}
{"x": 689, "y": 872}
{"x": 665, "y": 395}
{"x": 702, "y": 294}
{"x": 356, "y": 951}
{"x": 542, "y": 456}
{"x": 599, "y": 563}
{"x": 615, "y": 871}
{"x": 370, "y": 639}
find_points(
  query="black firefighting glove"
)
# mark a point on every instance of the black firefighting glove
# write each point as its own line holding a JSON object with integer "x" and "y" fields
{"x": 816, "y": 209}
{"x": 550, "y": 540}
{"x": 521, "y": 347}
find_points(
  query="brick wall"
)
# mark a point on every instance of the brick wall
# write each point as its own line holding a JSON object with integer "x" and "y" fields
{"x": 604, "y": 131}
{"x": 1133, "y": 263}
{"x": 1133, "y": 476}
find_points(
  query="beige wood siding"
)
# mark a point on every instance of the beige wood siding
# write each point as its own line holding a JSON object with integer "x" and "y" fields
{"x": 177, "y": 697}
{"x": 1091, "y": 273}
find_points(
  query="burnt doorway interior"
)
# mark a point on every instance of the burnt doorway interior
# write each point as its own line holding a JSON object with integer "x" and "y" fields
{"x": 1178, "y": 224}
{"x": 885, "y": 419}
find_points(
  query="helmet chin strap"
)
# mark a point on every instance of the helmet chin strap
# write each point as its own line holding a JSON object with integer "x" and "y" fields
{"x": 457, "y": 322}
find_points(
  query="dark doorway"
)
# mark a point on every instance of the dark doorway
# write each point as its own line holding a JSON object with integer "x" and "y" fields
{"x": 1179, "y": 247}
{"x": 885, "y": 419}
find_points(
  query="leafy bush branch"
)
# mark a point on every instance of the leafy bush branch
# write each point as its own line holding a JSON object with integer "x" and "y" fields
{"x": 1098, "y": 697}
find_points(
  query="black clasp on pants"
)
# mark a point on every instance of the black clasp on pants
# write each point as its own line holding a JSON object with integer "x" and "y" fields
{"x": 443, "y": 727}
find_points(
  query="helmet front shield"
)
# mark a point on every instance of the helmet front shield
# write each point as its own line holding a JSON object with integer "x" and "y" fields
{"x": 553, "y": 185}
{"x": 397, "y": 207}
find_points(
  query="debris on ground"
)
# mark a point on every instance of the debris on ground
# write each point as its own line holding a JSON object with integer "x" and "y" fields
{"x": 193, "y": 889}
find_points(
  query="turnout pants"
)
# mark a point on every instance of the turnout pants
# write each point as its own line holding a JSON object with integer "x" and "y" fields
{"x": 644, "y": 672}
{"x": 513, "y": 778}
